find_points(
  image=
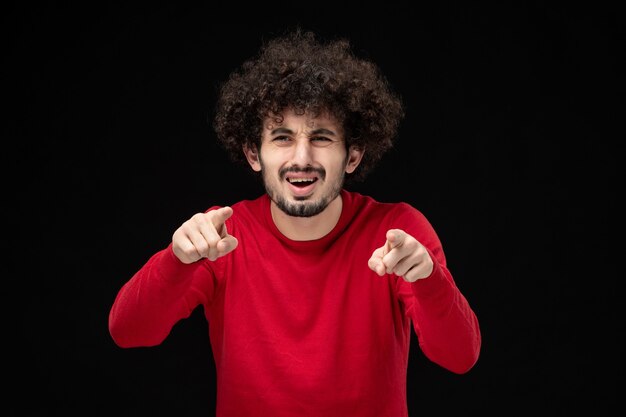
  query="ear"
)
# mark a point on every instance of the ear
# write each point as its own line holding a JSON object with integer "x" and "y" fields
{"x": 252, "y": 155}
{"x": 355, "y": 155}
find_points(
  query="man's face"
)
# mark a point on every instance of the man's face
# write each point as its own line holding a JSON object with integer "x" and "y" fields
{"x": 303, "y": 161}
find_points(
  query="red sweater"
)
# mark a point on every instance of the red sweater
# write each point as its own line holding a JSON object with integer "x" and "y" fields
{"x": 305, "y": 328}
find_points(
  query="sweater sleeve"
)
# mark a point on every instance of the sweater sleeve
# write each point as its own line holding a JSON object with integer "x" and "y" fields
{"x": 445, "y": 324}
{"x": 161, "y": 293}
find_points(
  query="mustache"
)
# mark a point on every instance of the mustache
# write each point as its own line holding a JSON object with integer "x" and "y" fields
{"x": 321, "y": 172}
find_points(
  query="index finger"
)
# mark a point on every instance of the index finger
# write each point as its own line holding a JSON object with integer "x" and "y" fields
{"x": 395, "y": 237}
{"x": 221, "y": 215}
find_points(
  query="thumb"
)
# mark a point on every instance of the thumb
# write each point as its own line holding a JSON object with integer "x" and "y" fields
{"x": 227, "y": 245}
{"x": 375, "y": 262}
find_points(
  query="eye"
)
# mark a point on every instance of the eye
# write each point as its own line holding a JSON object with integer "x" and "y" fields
{"x": 321, "y": 141}
{"x": 281, "y": 140}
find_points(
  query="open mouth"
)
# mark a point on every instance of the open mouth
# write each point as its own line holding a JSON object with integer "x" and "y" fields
{"x": 301, "y": 186}
{"x": 301, "y": 182}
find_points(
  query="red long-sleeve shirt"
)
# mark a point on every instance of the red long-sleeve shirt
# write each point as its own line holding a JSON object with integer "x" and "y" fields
{"x": 305, "y": 328}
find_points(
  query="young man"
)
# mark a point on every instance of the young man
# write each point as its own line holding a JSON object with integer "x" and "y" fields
{"x": 310, "y": 290}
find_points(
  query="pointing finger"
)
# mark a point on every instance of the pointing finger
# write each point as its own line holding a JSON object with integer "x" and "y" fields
{"x": 219, "y": 216}
{"x": 395, "y": 237}
{"x": 392, "y": 249}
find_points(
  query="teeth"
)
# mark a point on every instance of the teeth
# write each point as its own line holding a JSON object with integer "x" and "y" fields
{"x": 292, "y": 180}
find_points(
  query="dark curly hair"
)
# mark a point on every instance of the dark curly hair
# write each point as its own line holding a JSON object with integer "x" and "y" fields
{"x": 299, "y": 72}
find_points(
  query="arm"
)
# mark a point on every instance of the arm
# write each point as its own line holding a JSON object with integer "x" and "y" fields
{"x": 172, "y": 283}
{"x": 160, "y": 294}
{"x": 445, "y": 324}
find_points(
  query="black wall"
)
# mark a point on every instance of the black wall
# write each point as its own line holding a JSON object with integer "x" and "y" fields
{"x": 508, "y": 147}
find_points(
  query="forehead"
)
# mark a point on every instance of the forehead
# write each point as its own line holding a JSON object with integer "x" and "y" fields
{"x": 288, "y": 118}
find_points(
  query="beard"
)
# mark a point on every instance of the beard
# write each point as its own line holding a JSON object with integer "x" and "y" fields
{"x": 302, "y": 206}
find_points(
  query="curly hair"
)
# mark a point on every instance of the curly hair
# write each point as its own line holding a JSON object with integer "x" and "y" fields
{"x": 297, "y": 71}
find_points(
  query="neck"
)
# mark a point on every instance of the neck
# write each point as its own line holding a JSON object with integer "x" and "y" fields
{"x": 308, "y": 228}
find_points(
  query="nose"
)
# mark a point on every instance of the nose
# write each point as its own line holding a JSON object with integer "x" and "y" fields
{"x": 303, "y": 153}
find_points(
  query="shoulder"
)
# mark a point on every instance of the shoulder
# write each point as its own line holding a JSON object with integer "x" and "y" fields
{"x": 396, "y": 215}
{"x": 245, "y": 207}
{"x": 253, "y": 206}
{"x": 246, "y": 213}
{"x": 394, "y": 211}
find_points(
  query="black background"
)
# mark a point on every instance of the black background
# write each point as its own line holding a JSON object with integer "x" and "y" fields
{"x": 509, "y": 148}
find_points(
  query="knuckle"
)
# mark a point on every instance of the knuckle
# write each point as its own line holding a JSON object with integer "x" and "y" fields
{"x": 202, "y": 249}
{"x": 412, "y": 244}
{"x": 198, "y": 219}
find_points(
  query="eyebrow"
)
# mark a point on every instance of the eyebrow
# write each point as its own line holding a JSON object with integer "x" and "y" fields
{"x": 320, "y": 131}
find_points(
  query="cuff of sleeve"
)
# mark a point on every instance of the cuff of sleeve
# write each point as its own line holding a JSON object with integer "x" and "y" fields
{"x": 433, "y": 285}
{"x": 170, "y": 266}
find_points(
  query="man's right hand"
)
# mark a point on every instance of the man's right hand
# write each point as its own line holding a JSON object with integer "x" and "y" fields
{"x": 204, "y": 235}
